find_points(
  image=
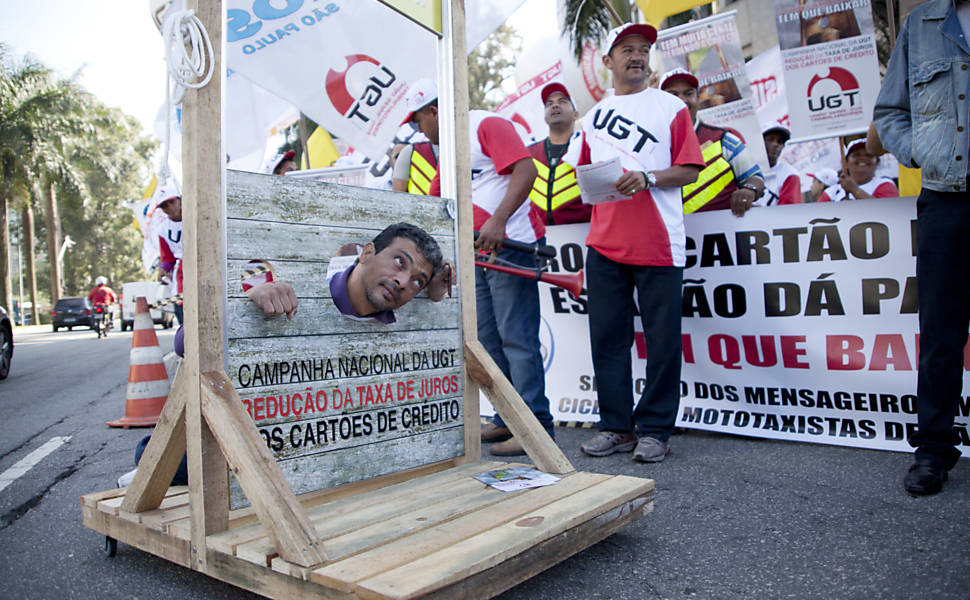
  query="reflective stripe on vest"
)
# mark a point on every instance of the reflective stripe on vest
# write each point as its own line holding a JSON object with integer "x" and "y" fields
{"x": 422, "y": 172}
{"x": 564, "y": 186}
{"x": 716, "y": 175}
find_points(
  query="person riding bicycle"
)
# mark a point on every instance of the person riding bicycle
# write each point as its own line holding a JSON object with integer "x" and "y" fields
{"x": 102, "y": 296}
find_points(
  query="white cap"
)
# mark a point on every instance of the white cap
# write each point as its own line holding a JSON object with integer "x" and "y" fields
{"x": 169, "y": 189}
{"x": 618, "y": 33}
{"x": 681, "y": 75}
{"x": 853, "y": 145}
{"x": 273, "y": 161}
{"x": 827, "y": 176}
{"x": 421, "y": 93}
{"x": 776, "y": 126}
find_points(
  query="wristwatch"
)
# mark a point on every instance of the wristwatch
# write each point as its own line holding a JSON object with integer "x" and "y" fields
{"x": 748, "y": 186}
{"x": 650, "y": 177}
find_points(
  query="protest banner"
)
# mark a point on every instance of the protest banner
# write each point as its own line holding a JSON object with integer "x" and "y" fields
{"x": 349, "y": 81}
{"x": 711, "y": 49}
{"x": 800, "y": 323}
{"x": 828, "y": 53}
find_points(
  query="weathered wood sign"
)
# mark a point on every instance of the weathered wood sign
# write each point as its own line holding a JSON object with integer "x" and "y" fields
{"x": 338, "y": 400}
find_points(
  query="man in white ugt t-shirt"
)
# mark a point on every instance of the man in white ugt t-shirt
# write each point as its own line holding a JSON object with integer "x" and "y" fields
{"x": 507, "y": 305}
{"x": 637, "y": 243}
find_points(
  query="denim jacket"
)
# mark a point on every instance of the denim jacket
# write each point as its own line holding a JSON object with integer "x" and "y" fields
{"x": 923, "y": 108}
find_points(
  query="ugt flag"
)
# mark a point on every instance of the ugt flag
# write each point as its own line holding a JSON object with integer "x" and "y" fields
{"x": 346, "y": 64}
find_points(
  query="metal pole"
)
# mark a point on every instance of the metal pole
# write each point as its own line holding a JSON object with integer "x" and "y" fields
{"x": 20, "y": 277}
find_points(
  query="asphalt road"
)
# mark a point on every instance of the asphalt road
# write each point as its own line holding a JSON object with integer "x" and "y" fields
{"x": 734, "y": 518}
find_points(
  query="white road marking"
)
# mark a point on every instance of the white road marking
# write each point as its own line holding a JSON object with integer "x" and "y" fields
{"x": 30, "y": 461}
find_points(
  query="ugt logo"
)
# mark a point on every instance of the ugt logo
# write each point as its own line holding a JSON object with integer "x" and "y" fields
{"x": 847, "y": 85}
{"x": 355, "y": 105}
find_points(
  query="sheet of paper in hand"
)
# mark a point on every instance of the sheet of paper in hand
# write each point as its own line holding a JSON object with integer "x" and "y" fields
{"x": 597, "y": 181}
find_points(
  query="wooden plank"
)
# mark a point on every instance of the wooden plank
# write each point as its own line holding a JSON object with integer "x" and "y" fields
{"x": 266, "y": 582}
{"x": 490, "y": 548}
{"x": 257, "y": 472}
{"x": 310, "y": 275}
{"x": 284, "y": 243}
{"x": 513, "y": 410}
{"x": 540, "y": 557}
{"x": 247, "y": 321}
{"x": 453, "y": 79}
{"x": 164, "y": 452}
{"x": 347, "y": 356}
{"x": 279, "y": 199}
{"x": 139, "y": 536}
{"x": 203, "y": 266}
{"x": 350, "y": 514}
{"x": 111, "y": 506}
{"x": 344, "y": 574}
{"x": 94, "y": 498}
{"x": 240, "y": 533}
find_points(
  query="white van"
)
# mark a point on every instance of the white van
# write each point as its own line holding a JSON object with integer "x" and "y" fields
{"x": 152, "y": 291}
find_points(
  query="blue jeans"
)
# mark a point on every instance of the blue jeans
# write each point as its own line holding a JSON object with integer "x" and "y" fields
{"x": 508, "y": 327}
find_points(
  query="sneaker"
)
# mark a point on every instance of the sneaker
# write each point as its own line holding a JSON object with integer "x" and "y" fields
{"x": 608, "y": 442}
{"x": 494, "y": 433}
{"x": 125, "y": 480}
{"x": 651, "y": 450}
{"x": 924, "y": 478}
{"x": 510, "y": 447}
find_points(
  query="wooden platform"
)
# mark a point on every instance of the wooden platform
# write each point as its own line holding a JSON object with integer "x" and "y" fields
{"x": 443, "y": 534}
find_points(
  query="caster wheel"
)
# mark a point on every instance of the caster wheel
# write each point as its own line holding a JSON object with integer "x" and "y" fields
{"x": 110, "y": 546}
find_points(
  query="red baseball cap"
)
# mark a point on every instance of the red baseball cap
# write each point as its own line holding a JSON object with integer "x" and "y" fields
{"x": 552, "y": 88}
{"x": 678, "y": 74}
{"x": 627, "y": 29}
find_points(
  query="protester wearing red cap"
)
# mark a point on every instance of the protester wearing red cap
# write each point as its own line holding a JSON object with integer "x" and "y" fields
{"x": 783, "y": 185}
{"x": 507, "y": 306}
{"x": 731, "y": 178}
{"x": 417, "y": 163}
{"x": 859, "y": 180}
{"x": 555, "y": 192}
{"x": 637, "y": 244}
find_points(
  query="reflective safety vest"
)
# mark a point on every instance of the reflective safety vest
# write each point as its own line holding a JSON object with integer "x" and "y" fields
{"x": 555, "y": 191}
{"x": 716, "y": 182}
{"x": 424, "y": 164}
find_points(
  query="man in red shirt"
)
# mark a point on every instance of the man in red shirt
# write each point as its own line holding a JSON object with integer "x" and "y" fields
{"x": 507, "y": 305}
{"x": 101, "y": 294}
{"x": 637, "y": 243}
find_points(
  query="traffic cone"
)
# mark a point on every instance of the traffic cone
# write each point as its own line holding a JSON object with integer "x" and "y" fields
{"x": 148, "y": 384}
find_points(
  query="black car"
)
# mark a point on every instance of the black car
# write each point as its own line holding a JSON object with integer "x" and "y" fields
{"x": 72, "y": 312}
{"x": 6, "y": 343}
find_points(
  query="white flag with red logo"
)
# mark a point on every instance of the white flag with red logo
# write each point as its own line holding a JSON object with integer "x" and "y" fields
{"x": 345, "y": 64}
{"x": 828, "y": 52}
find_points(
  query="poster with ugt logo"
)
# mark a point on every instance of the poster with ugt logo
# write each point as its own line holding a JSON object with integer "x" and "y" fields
{"x": 346, "y": 64}
{"x": 828, "y": 52}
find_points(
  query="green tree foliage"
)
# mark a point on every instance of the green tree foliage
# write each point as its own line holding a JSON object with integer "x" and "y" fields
{"x": 489, "y": 65}
{"x": 62, "y": 151}
{"x": 588, "y": 21}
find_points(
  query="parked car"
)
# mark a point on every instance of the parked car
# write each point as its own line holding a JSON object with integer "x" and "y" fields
{"x": 6, "y": 343}
{"x": 72, "y": 312}
{"x": 152, "y": 291}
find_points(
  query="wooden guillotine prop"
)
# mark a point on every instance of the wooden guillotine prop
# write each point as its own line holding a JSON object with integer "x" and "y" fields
{"x": 411, "y": 524}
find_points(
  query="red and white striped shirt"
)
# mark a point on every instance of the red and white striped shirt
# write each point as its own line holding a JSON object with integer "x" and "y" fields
{"x": 650, "y": 130}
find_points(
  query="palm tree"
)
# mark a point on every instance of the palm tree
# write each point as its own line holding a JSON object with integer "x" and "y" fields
{"x": 588, "y": 21}
{"x": 40, "y": 119}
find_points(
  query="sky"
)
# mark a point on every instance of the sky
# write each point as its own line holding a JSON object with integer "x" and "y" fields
{"x": 117, "y": 52}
